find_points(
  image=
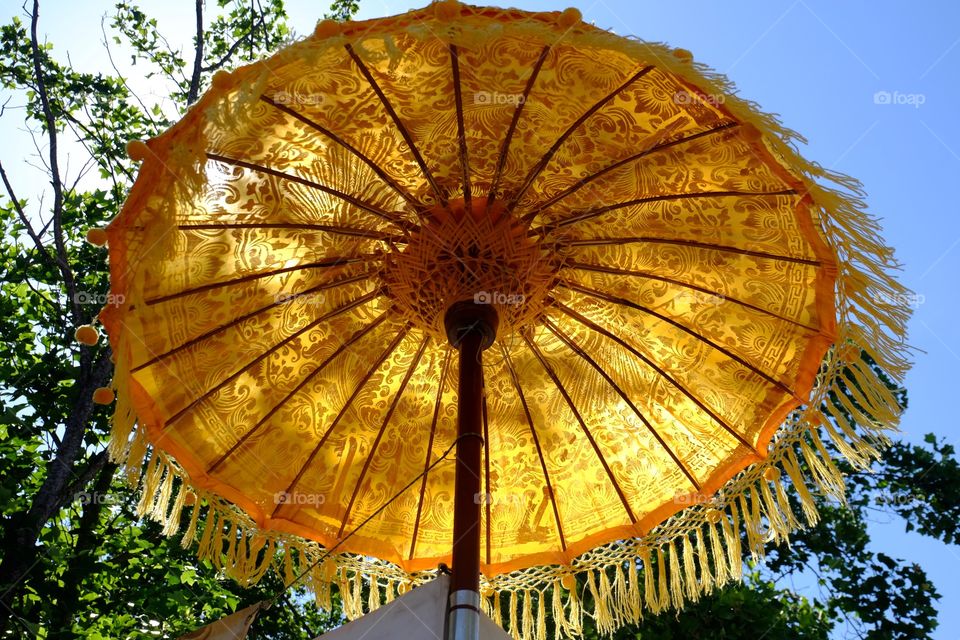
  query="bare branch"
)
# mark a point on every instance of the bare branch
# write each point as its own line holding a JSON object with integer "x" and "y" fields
{"x": 25, "y": 220}
{"x": 55, "y": 179}
{"x": 194, "y": 90}
{"x": 120, "y": 76}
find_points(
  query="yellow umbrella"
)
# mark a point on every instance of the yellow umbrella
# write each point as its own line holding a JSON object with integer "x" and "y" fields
{"x": 642, "y": 301}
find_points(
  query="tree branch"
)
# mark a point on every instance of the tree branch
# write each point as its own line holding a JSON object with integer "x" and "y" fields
{"x": 26, "y": 221}
{"x": 197, "y": 57}
{"x": 55, "y": 180}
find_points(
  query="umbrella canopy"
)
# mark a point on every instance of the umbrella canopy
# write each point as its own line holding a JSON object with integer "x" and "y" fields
{"x": 668, "y": 273}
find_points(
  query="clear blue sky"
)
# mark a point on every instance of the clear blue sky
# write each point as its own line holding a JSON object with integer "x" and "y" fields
{"x": 820, "y": 65}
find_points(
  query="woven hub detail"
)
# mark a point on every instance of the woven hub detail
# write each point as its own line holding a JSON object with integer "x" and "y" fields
{"x": 477, "y": 253}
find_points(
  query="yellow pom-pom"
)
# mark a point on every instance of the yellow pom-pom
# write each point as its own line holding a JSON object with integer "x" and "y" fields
{"x": 683, "y": 55}
{"x": 486, "y": 591}
{"x": 714, "y": 516}
{"x": 327, "y": 29}
{"x": 137, "y": 150}
{"x": 568, "y": 581}
{"x": 446, "y": 10}
{"x": 87, "y": 334}
{"x": 97, "y": 236}
{"x": 103, "y": 395}
{"x": 221, "y": 80}
{"x": 771, "y": 474}
{"x": 403, "y": 587}
{"x": 569, "y": 17}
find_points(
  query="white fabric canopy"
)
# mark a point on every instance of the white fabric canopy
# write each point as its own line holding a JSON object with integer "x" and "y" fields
{"x": 233, "y": 627}
{"x": 419, "y": 613}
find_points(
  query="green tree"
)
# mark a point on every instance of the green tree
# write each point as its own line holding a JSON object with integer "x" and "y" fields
{"x": 76, "y": 561}
{"x": 74, "y": 558}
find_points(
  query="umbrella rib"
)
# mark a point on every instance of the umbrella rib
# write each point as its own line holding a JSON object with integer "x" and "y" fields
{"x": 358, "y": 203}
{"x": 661, "y": 372}
{"x": 502, "y": 161}
{"x": 383, "y": 429}
{"x": 593, "y": 213}
{"x": 536, "y": 442}
{"x": 576, "y": 265}
{"x": 335, "y": 312}
{"x": 542, "y": 164}
{"x": 488, "y": 497}
{"x": 349, "y": 147}
{"x": 579, "y": 184}
{"x": 461, "y": 128}
{"x": 357, "y": 335}
{"x": 575, "y": 286}
{"x": 346, "y": 231}
{"x": 426, "y": 464}
{"x": 276, "y": 303}
{"x": 402, "y": 128}
{"x": 606, "y": 376}
{"x": 321, "y": 264}
{"x": 583, "y": 426}
{"x": 599, "y": 242}
{"x": 343, "y": 410}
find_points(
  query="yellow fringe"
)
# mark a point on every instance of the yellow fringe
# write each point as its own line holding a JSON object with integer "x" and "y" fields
{"x": 528, "y": 622}
{"x": 373, "y": 596}
{"x": 731, "y": 538}
{"x": 633, "y": 602}
{"x": 706, "y": 577}
{"x": 751, "y": 521}
{"x": 720, "y": 568}
{"x": 560, "y": 624}
{"x": 357, "y": 595}
{"x": 792, "y": 467}
{"x": 541, "y": 617}
{"x": 693, "y": 590}
{"x": 191, "y": 532}
{"x": 778, "y": 527}
{"x": 649, "y": 591}
{"x": 620, "y": 598}
{"x": 663, "y": 593}
{"x": 172, "y": 520}
{"x": 676, "y": 581}
{"x": 575, "y": 619}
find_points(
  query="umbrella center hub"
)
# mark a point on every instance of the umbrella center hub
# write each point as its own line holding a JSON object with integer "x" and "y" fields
{"x": 480, "y": 254}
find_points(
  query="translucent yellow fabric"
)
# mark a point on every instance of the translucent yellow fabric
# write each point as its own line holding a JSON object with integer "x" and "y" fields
{"x": 665, "y": 283}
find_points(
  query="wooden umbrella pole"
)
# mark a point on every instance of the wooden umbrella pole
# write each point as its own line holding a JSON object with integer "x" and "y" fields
{"x": 471, "y": 328}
